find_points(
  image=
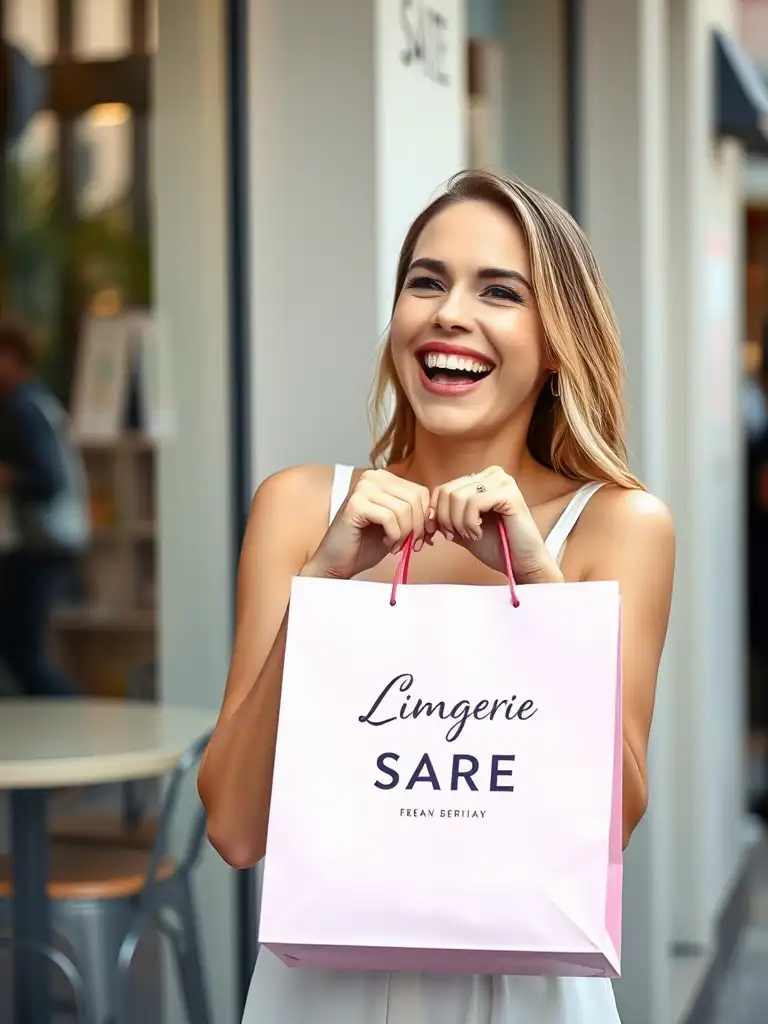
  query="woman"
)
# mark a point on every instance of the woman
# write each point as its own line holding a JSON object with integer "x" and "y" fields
{"x": 505, "y": 363}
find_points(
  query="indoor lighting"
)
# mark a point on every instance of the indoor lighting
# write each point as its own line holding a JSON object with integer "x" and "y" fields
{"x": 109, "y": 115}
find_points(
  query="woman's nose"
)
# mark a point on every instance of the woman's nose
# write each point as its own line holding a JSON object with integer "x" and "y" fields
{"x": 453, "y": 313}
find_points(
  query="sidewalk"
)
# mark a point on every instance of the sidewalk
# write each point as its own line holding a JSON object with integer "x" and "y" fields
{"x": 743, "y": 998}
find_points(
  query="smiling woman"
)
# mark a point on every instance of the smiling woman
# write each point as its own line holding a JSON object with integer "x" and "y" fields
{"x": 576, "y": 337}
{"x": 507, "y": 438}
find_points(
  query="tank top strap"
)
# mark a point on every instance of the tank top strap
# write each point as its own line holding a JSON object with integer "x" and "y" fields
{"x": 342, "y": 481}
{"x": 560, "y": 532}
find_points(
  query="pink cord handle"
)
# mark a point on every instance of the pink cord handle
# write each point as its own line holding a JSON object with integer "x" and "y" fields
{"x": 401, "y": 576}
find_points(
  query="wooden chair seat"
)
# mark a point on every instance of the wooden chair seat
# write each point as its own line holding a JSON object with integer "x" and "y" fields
{"x": 91, "y": 871}
{"x": 102, "y": 828}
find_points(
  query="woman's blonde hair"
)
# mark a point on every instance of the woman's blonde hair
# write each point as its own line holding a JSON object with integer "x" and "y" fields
{"x": 579, "y": 430}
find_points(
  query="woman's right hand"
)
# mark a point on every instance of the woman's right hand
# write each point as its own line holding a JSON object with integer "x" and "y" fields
{"x": 375, "y": 520}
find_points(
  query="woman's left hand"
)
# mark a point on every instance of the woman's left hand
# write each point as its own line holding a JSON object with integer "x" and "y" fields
{"x": 465, "y": 509}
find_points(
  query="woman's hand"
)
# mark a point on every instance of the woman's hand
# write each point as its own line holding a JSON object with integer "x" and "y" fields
{"x": 375, "y": 521}
{"x": 464, "y": 511}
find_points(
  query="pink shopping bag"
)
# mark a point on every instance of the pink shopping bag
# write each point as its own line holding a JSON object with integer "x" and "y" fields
{"x": 447, "y": 785}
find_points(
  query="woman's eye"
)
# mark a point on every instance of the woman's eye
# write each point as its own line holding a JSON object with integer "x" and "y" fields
{"x": 424, "y": 284}
{"x": 498, "y": 291}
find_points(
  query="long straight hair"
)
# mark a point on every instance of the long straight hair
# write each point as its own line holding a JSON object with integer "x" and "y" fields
{"x": 577, "y": 429}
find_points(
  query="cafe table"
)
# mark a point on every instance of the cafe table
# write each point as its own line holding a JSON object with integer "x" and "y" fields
{"x": 47, "y": 745}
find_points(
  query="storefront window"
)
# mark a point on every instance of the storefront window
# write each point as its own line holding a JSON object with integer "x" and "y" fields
{"x": 76, "y": 271}
{"x": 115, "y": 253}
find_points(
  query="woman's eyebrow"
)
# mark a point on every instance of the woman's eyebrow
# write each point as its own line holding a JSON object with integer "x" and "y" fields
{"x": 484, "y": 274}
{"x": 495, "y": 273}
{"x": 425, "y": 263}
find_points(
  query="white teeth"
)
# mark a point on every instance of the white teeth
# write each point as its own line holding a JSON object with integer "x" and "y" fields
{"x": 451, "y": 362}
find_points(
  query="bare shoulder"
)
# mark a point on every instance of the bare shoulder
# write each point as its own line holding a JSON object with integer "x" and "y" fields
{"x": 624, "y": 511}
{"x": 292, "y": 504}
{"x": 622, "y": 524}
{"x": 309, "y": 483}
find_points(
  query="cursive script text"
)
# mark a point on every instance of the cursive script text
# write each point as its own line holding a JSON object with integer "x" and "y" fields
{"x": 381, "y": 712}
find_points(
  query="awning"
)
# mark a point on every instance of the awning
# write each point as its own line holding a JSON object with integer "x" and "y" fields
{"x": 741, "y": 96}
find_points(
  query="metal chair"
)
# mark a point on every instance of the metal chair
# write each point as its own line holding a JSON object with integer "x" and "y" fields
{"x": 104, "y": 897}
{"x": 65, "y": 966}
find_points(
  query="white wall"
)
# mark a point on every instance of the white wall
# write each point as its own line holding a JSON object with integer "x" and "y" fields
{"x": 420, "y": 116}
{"x": 313, "y": 222}
{"x": 625, "y": 203}
{"x": 348, "y": 144}
{"x": 189, "y": 222}
{"x": 707, "y": 453}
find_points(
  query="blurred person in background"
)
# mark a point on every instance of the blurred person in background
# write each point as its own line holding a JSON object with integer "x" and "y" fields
{"x": 43, "y": 515}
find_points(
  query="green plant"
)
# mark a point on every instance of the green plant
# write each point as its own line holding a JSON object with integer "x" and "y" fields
{"x": 53, "y": 262}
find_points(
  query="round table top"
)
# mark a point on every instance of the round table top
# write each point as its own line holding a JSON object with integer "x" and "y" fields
{"x": 47, "y": 744}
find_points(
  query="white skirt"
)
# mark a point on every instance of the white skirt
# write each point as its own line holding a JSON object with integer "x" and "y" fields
{"x": 293, "y": 995}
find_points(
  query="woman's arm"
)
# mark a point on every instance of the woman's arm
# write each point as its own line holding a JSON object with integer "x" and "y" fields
{"x": 632, "y": 540}
{"x": 235, "y": 777}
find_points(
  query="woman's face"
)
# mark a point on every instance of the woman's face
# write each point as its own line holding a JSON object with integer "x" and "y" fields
{"x": 466, "y": 337}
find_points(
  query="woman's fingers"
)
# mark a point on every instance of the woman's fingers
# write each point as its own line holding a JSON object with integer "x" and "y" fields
{"x": 417, "y": 498}
{"x": 460, "y": 504}
{"x": 498, "y": 492}
{"x": 406, "y": 501}
{"x": 451, "y": 504}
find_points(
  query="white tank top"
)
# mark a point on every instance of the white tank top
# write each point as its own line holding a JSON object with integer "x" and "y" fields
{"x": 556, "y": 538}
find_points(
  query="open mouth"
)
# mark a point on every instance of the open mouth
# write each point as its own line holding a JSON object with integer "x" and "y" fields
{"x": 442, "y": 368}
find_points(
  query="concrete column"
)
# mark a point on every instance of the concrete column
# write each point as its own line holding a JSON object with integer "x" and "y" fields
{"x": 358, "y": 115}
{"x": 707, "y": 454}
{"x": 625, "y": 202}
{"x": 195, "y": 559}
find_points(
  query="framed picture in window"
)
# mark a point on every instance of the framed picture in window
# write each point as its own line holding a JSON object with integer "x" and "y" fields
{"x": 102, "y": 378}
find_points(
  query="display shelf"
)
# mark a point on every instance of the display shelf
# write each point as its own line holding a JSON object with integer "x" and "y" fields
{"x": 108, "y": 632}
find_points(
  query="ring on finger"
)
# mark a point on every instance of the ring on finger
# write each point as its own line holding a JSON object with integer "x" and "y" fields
{"x": 481, "y": 488}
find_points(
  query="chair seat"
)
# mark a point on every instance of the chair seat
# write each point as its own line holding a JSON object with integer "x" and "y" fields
{"x": 91, "y": 871}
{"x": 102, "y": 828}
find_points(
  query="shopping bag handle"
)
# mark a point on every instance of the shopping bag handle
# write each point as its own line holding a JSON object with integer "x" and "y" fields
{"x": 401, "y": 576}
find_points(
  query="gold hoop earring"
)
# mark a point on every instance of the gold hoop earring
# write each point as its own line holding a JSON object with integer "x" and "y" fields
{"x": 555, "y": 392}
